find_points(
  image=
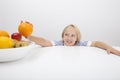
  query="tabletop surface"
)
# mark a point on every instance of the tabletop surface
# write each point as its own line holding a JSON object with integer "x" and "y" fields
{"x": 63, "y": 63}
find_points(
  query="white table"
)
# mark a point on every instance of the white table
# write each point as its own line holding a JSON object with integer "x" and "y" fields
{"x": 63, "y": 63}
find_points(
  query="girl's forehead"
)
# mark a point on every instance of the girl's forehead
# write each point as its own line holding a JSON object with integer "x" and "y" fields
{"x": 70, "y": 29}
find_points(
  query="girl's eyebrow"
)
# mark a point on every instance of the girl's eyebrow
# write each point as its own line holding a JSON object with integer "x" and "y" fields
{"x": 73, "y": 35}
{"x": 66, "y": 34}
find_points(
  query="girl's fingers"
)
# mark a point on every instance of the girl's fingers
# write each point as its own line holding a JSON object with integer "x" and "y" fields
{"x": 28, "y": 23}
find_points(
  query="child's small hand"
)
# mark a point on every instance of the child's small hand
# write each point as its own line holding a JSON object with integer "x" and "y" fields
{"x": 113, "y": 51}
{"x": 26, "y": 22}
{"x": 29, "y": 23}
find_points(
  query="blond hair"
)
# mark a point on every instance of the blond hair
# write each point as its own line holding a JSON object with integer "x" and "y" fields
{"x": 76, "y": 29}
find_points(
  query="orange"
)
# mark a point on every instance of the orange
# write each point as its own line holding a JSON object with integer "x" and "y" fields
{"x": 4, "y": 33}
{"x": 25, "y": 29}
{"x": 5, "y": 42}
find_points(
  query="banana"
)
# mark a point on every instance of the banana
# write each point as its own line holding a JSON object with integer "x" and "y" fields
{"x": 20, "y": 43}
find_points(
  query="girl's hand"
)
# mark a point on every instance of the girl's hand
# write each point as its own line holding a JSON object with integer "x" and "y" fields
{"x": 113, "y": 51}
{"x": 26, "y": 22}
{"x": 29, "y": 23}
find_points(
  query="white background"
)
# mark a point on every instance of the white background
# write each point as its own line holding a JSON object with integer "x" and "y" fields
{"x": 96, "y": 19}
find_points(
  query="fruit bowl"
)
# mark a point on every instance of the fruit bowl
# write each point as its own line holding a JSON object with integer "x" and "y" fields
{"x": 12, "y": 54}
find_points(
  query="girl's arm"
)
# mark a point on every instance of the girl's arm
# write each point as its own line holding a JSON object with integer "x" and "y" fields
{"x": 105, "y": 47}
{"x": 41, "y": 41}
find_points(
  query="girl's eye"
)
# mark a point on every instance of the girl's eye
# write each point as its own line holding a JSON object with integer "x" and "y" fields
{"x": 66, "y": 34}
{"x": 72, "y": 35}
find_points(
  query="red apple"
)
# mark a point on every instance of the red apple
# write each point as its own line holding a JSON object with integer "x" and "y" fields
{"x": 16, "y": 36}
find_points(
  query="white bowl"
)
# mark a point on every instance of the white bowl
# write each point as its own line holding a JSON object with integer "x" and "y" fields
{"x": 12, "y": 54}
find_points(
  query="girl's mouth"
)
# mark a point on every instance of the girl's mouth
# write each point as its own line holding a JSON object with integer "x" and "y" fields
{"x": 68, "y": 42}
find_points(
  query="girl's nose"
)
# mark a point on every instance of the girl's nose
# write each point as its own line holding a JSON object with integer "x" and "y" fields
{"x": 69, "y": 37}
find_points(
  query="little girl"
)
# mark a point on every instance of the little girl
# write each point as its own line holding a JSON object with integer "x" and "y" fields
{"x": 71, "y": 37}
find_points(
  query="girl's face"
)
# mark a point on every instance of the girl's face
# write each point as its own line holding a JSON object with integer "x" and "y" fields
{"x": 70, "y": 36}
